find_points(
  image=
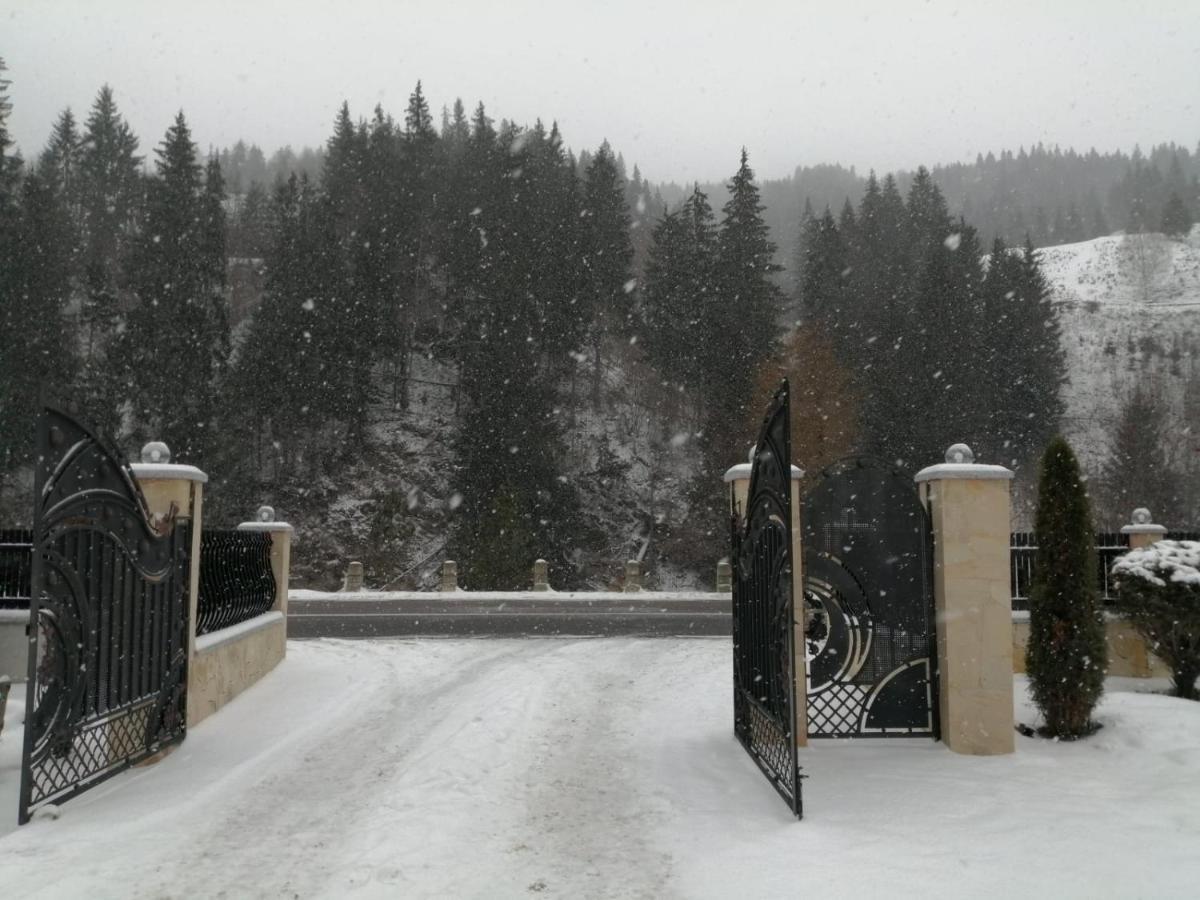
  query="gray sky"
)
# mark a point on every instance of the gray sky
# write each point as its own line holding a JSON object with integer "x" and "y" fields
{"x": 677, "y": 87}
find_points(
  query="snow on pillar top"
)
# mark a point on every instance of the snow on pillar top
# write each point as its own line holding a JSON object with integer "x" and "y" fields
{"x": 1142, "y": 522}
{"x": 264, "y": 520}
{"x": 960, "y": 463}
{"x": 156, "y": 463}
{"x": 742, "y": 470}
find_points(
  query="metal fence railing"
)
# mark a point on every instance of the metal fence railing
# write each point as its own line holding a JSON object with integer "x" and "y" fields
{"x": 1023, "y": 552}
{"x": 236, "y": 579}
{"x": 16, "y": 556}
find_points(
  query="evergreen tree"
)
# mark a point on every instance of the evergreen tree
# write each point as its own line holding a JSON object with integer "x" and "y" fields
{"x": 1138, "y": 471}
{"x": 109, "y": 187}
{"x": 1067, "y": 653}
{"x": 35, "y": 288}
{"x": 605, "y": 256}
{"x": 1176, "y": 220}
{"x": 177, "y": 340}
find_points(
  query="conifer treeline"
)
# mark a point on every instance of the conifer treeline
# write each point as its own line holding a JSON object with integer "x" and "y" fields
{"x": 537, "y": 280}
{"x": 942, "y": 341}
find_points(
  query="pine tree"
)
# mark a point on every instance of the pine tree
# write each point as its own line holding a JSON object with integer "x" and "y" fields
{"x": 1067, "y": 655}
{"x": 605, "y": 255}
{"x": 35, "y": 287}
{"x": 1138, "y": 471}
{"x": 109, "y": 187}
{"x": 1176, "y": 220}
{"x": 177, "y": 341}
{"x": 742, "y": 321}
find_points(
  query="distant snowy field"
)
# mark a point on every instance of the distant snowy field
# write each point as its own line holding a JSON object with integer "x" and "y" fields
{"x": 601, "y": 768}
{"x": 1130, "y": 313}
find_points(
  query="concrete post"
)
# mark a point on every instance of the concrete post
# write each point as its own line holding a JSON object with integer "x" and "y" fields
{"x": 724, "y": 577}
{"x": 1142, "y": 531}
{"x": 354, "y": 577}
{"x": 738, "y": 479}
{"x": 449, "y": 577}
{"x": 969, "y": 506}
{"x": 541, "y": 576}
{"x": 281, "y": 552}
{"x": 633, "y": 576}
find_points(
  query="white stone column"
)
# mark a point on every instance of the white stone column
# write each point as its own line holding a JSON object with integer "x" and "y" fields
{"x": 738, "y": 479}
{"x": 1142, "y": 531}
{"x": 281, "y": 552}
{"x": 969, "y": 506}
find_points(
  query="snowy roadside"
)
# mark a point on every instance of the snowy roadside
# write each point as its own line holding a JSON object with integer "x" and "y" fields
{"x": 603, "y": 768}
{"x": 636, "y": 597}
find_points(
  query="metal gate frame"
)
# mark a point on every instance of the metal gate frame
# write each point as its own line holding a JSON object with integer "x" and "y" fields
{"x": 822, "y": 568}
{"x": 764, "y": 651}
{"x": 109, "y": 619}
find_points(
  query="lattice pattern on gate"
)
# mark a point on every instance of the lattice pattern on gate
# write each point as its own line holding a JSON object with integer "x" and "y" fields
{"x": 108, "y": 597}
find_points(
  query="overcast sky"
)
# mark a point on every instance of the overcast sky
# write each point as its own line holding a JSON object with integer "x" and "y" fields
{"x": 677, "y": 87}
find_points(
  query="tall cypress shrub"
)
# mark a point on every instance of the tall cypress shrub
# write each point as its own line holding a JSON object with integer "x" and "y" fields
{"x": 1067, "y": 655}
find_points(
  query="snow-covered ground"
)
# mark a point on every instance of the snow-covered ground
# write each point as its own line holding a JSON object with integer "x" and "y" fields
{"x": 602, "y": 768}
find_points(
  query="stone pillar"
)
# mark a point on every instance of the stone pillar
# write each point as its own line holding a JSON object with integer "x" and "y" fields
{"x": 449, "y": 577}
{"x": 738, "y": 479}
{"x": 724, "y": 577}
{"x": 177, "y": 491}
{"x": 633, "y": 576}
{"x": 353, "y": 580}
{"x": 541, "y": 576}
{"x": 1142, "y": 531}
{"x": 969, "y": 506}
{"x": 281, "y": 552}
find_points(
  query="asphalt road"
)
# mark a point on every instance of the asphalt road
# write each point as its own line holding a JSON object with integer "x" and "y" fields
{"x": 510, "y": 618}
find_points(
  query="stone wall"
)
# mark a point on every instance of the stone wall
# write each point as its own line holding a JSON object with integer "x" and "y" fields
{"x": 1127, "y": 653}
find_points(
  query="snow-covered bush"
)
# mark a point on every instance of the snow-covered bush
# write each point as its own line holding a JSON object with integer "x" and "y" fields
{"x": 1158, "y": 589}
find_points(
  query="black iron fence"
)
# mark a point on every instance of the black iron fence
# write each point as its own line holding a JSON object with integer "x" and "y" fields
{"x": 236, "y": 579}
{"x": 1023, "y": 551}
{"x": 16, "y": 549}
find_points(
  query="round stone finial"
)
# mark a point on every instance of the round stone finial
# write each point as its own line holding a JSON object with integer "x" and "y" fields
{"x": 1141, "y": 516}
{"x": 265, "y": 514}
{"x": 960, "y": 453}
{"x": 156, "y": 452}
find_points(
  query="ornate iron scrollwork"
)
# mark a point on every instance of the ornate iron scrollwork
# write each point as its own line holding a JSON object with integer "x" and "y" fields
{"x": 108, "y": 605}
{"x": 763, "y": 634}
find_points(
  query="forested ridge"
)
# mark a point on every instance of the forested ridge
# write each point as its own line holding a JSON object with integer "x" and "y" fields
{"x": 462, "y": 328}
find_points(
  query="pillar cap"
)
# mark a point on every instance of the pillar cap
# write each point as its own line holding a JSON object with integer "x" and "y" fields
{"x": 964, "y": 472}
{"x": 266, "y": 526}
{"x": 742, "y": 471}
{"x": 1142, "y": 522}
{"x": 167, "y": 472}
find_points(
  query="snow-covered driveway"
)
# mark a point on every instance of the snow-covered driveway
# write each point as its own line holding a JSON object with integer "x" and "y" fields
{"x": 603, "y": 768}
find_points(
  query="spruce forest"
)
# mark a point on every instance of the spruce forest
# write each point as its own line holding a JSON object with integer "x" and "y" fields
{"x": 457, "y": 337}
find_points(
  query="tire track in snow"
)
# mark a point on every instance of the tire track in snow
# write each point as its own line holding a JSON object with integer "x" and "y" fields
{"x": 302, "y": 821}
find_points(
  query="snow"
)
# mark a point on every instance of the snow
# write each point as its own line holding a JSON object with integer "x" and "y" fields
{"x": 648, "y": 598}
{"x": 1176, "y": 561}
{"x": 143, "y": 471}
{"x": 225, "y": 635}
{"x": 1125, "y": 323}
{"x": 602, "y": 768}
{"x": 963, "y": 470}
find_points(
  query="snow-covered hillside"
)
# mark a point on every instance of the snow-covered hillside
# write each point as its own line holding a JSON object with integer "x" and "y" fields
{"x": 1130, "y": 313}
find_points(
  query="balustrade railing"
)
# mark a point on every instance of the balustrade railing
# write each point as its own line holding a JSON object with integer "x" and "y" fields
{"x": 16, "y": 556}
{"x": 1023, "y": 552}
{"x": 236, "y": 579}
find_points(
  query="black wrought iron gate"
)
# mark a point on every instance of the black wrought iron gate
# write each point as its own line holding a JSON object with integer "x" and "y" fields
{"x": 109, "y": 614}
{"x": 869, "y": 631}
{"x": 764, "y": 658}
